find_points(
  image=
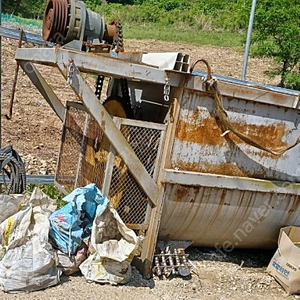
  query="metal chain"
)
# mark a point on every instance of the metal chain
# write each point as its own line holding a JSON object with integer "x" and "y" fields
{"x": 167, "y": 90}
{"x": 99, "y": 86}
{"x": 120, "y": 47}
{"x": 118, "y": 42}
{"x": 126, "y": 98}
{"x": 71, "y": 70}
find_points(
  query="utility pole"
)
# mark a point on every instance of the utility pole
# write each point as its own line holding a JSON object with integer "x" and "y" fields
{"x": 247, "y": 47}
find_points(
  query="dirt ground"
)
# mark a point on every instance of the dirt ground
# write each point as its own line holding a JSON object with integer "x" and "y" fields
{"x": 34, "y": 131}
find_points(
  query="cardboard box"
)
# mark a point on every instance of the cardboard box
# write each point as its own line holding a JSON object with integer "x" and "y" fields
{"x": 285, "y": 264}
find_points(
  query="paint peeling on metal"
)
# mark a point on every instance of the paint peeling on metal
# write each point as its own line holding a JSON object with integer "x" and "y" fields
{"x": 213, "y": 216}
{"x": 209, "y": 133}
{"x": 199, "y": 146}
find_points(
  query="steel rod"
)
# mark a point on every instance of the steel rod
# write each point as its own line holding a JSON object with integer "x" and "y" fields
{"x": 247, "y": 47}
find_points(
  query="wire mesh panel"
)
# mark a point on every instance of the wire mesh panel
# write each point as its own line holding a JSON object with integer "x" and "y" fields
{"x": 94, "y": 155}
{"x": 84, "y": 149}
{"x": 132, "y": 202}
{"x": 86, "y": 156}
{"x": 70, "y": 149}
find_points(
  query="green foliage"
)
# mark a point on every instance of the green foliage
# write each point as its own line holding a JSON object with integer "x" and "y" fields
{"x": 277, "y": 35}
{"x": 51, "y": 191}
{"x": 27, "y": 24}
{"x": 216, "y": 22}
{"x": 25, "y": 8}
{"x": 234, "y": 16}
{"x": 214, "y": 38}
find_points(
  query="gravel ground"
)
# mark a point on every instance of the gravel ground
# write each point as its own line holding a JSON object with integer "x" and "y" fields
{"x": 34, "y": 132}
{"x": 242, "y": 274}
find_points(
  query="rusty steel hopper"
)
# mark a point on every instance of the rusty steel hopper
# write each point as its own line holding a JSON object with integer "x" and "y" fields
{"x": 203, "y": 158}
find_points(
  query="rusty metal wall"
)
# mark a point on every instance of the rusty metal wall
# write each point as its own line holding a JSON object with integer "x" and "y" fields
{"x": 221, "y": 192}
{"x": 199, "y": 147}
{"x": 218, "y": 217}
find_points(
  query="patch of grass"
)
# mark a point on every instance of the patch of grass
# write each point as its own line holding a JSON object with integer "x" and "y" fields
{"x": 177, "y": 32}
{"x": 51, "y": 191}
{"x": 21, "y": 22}
{"x": 190, "y": 36}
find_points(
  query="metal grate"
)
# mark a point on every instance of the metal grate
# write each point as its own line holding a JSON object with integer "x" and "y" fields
{"x": 132, "y": 201}
{"x": 72, "y": 135}
{"x": 82, "y": 158}
{"x": 86, "y": 156}
{"x": 93, "y": 163}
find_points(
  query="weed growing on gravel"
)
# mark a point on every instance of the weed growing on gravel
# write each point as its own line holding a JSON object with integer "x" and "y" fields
{"x": 51, "y": 191}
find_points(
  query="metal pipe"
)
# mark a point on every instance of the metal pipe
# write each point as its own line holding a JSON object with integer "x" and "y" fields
{"x": 12, "y": 96}
{"x": 29, "y": 37}
{"x": 247, "y": 47}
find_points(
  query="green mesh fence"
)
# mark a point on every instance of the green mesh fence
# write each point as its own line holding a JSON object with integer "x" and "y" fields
{"x": 26, "y": 24}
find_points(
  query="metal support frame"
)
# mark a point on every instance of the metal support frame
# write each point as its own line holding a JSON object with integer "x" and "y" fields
{"x": 32, "y": 179}
{"x": 35, "y": 39}
{"x": 118, "y": 68}
{"x": 99, "y": 113}
{"x": 29, "y": 37}
{"x": 44, "y": 88}
{"x": 230, "y": 182}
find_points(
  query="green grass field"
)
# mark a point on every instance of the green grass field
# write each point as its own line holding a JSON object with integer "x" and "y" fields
{"x": 190, "y": 36}
{"x": 154, "y": 31}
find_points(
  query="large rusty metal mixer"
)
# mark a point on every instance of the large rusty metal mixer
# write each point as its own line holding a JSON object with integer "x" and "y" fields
{"x": 70, "y": 23}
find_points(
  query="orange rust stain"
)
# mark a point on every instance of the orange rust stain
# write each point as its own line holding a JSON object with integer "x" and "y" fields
{"x": 294, "y": 207}
{"x": 219, "y": 209}
{"x": 221, "y": 169}
{"x": 208, "y": 132}
{"x": 181, "y": 193}
{"x": 266, "y": 135}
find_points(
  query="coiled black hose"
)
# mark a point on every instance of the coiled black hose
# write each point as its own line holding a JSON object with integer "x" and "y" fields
{"x": 13, "y": 167}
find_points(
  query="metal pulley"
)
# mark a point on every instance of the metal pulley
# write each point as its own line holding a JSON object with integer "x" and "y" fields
{"x": 70, "y": 22}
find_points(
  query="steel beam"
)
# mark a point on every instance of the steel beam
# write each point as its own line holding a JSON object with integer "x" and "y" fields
{"x": 44, "y": 88}
{"x": 230, "y": 182}
{"x": 116, "y": 67}
{"x": 32, "y": 179}
{"x": 29, "y": 37}
{"x": 118, "y": 141}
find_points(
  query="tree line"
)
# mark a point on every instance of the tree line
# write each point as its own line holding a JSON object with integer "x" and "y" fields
{"x": 24, "y": 8}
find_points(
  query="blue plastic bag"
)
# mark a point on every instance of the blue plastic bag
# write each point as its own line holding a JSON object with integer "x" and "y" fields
{"x": 73, "y": 222}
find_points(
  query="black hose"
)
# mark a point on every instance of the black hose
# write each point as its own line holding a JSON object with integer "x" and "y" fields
{"x": 13, "y": 166}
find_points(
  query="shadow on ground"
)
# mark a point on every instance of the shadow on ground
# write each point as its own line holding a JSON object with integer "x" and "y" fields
{"x": 251, "y": 258}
